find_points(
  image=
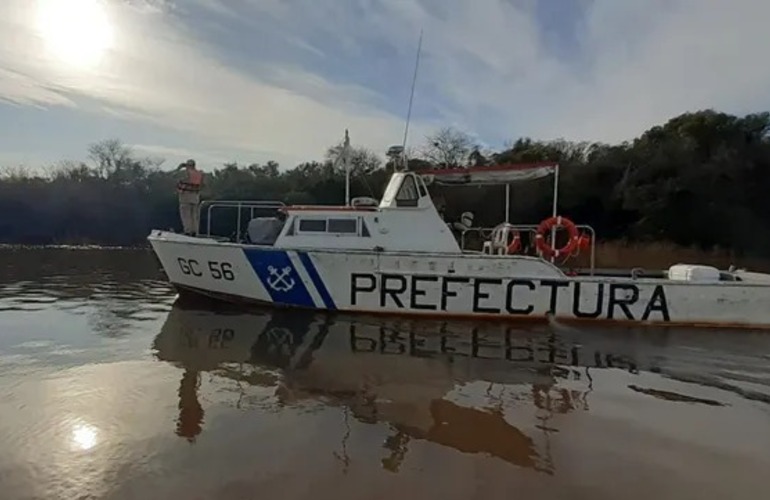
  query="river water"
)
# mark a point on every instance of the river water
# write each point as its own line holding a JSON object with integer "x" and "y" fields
{"x": 110, "y": 387}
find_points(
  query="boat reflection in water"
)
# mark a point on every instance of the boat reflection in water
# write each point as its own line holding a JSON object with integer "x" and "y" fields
{"x": 477, "y": 388}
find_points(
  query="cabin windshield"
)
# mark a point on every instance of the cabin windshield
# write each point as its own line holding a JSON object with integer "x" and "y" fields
{"x": 264, "y": 230}
{"x": 404, "y": 190}
{"x": 407, "y": 194}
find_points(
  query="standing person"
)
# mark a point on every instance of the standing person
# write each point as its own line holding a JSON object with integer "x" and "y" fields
{"x": 189, "y": 197}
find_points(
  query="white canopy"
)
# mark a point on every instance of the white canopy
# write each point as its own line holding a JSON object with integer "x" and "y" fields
{"x": 494, "y": 175}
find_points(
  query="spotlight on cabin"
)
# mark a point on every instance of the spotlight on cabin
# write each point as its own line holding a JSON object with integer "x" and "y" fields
{"x": 364, "y": 201}
{"x": 396, "y": 155}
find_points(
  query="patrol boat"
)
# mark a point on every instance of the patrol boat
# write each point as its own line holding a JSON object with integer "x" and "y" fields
{"x": 398, "y": 256}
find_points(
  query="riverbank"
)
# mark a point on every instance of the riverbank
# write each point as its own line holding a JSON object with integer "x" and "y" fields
{"x": 661, "y": 255}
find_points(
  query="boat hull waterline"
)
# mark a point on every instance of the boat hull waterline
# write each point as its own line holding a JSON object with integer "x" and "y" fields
{"x": 466, "y": 286}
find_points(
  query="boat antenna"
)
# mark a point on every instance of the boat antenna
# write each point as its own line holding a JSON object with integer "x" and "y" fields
{"x": 411, "y": 99}
{"x": 346, "y": 159}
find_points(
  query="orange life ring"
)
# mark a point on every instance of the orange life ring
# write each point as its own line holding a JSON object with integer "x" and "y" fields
{"x": 515, "y": 244}
{"x": 546, "y": 226}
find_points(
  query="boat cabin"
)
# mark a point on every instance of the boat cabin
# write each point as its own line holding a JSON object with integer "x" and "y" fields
{"x": 404, "y": 220}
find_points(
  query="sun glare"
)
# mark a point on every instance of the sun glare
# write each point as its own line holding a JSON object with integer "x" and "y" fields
{"x": 84, "y": 437}
{"x": 77, "y": 32}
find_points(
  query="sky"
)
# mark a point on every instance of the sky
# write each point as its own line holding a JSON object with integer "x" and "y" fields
{"x": 258, "y": 80}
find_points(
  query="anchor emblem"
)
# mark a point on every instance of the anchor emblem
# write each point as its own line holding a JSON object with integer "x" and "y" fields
{"x": 278, "y": 338}
{"x": 280, "y": 279}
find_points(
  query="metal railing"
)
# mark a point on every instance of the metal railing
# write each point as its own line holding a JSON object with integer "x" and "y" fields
{"x": 252, "y": 206}
{"x": 486, "y": 233}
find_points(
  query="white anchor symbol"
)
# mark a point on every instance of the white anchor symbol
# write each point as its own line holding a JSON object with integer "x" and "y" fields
{"x": 279, "y": 279}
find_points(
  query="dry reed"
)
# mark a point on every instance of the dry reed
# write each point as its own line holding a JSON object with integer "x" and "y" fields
{"x": 661, "y": 255}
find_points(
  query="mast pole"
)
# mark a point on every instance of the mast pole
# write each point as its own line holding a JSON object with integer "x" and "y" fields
{"x": 346, "y": 159}
{"x": 411, "y": 100}
{"x": 555, "y": 208}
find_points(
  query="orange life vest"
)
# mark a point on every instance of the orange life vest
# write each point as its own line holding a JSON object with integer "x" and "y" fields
{"x": 195, "y": 178}
{"x": 193, "y": 182}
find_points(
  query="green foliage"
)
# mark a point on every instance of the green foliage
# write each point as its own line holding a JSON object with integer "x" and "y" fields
{"x": 699, "y": 179}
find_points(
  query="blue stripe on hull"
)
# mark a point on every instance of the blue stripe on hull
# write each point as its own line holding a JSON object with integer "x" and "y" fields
{"x": 307, "y": 262}
{"x": 279, "y": 277}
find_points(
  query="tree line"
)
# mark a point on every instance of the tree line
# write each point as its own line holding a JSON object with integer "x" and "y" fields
{"x": 700, "y": 179}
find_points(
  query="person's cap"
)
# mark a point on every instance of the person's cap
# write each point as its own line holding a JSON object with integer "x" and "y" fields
{"x": 190, "y": 163}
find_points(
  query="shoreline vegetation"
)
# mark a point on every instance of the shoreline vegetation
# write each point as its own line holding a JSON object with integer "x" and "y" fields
{"x": 693, "y": 189}
{"x": 661, "y": 255}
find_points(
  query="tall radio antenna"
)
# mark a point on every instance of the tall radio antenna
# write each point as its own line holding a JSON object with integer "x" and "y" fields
{"x": 411, "y": 98}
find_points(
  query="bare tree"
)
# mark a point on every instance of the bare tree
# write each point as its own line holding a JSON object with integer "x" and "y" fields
{"x": 110, "y": 156}
{"x": 362, "y": 160}
{"x": 15, "y": 173}
{"x": 448, "y": 148}
{"x": 116, "y": 161}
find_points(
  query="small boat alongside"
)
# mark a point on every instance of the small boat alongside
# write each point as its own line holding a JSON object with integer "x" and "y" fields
{"x": 398, "y": 256}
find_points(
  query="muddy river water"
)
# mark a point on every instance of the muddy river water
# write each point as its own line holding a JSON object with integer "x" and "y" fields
{"x": 111, "y": 387}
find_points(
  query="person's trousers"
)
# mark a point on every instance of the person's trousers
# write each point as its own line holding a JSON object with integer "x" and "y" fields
{"x": 189, "y": 214}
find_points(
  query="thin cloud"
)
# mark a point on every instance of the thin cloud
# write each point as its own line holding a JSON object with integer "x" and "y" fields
{"x": 19, "y": 89}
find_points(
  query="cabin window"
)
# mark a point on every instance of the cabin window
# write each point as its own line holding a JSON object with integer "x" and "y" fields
{"x": 346, "y": 226}
{"x": 312, "y": 225}
{"x": 422, "y": 188}
{"x": 407, "y": 194}
{"x": 338, "y": 226}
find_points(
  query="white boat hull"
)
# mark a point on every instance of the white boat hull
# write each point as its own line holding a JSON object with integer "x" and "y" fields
{"x": 467, "y": 286}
